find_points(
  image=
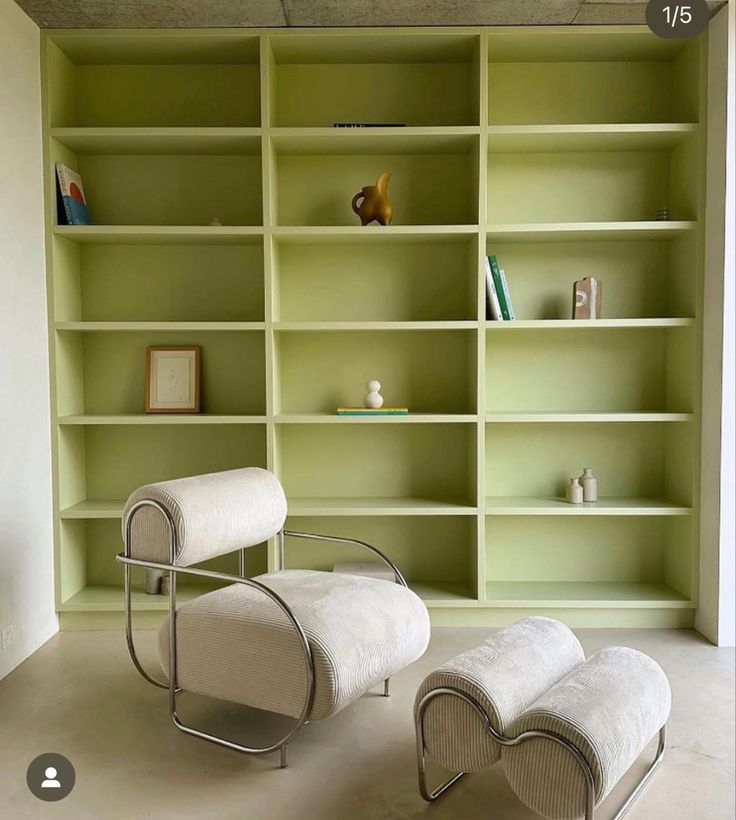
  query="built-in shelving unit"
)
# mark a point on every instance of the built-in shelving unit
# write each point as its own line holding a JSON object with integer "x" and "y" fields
{"x": 551, "y": 148}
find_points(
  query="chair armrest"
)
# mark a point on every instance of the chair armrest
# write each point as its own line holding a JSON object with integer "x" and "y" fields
{"x": 213, "y": 576}
{"x": 334, "y": 539}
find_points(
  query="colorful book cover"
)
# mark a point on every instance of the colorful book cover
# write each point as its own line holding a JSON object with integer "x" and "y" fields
{"x": 498, "y": 282}
{"x": 507, "y": 294}
{"x": 72, "y": 202}
{"x": 493, "y": 307}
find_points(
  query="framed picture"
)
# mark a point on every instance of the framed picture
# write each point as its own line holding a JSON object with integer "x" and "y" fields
{"x": 173, "y": 379}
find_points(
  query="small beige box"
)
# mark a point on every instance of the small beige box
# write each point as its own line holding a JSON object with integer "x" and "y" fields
{"x": 587, "y": 298}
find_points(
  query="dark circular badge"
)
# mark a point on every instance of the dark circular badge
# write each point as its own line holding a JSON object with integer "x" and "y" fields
{"x": 677, "y": 20}
{"x": 50, "y": 777}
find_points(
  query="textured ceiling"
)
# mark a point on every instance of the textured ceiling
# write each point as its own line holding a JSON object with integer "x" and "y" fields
{"x": 266, "y": 13}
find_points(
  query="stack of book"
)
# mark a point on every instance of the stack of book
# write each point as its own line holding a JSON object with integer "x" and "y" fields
{"x": 367, "y": 411}
{"x": 498, "y": 298}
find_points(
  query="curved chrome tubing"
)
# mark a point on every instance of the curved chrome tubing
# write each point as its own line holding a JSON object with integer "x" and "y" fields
{"x": 334, "y": 539}
{"x": 128, "y": 562}
{"x": 171, "y": 685}
{"x": 590, "y": 796}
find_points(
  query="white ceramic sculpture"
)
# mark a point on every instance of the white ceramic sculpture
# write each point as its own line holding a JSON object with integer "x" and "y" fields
{"x": 373, "y": 400}
{"x": 589, "y": 483}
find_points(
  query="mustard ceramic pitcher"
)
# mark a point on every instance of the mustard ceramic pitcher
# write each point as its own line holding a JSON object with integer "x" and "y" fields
{"x": 375, "y": 204}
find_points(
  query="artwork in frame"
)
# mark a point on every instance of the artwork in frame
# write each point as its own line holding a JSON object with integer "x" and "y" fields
{"x": 173, "y": 379}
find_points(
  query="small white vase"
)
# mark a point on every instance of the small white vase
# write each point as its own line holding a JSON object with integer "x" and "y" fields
{"x": 589, "y": 483}
{"x": 373, "y": 400}
{"x": 574, "y": 492}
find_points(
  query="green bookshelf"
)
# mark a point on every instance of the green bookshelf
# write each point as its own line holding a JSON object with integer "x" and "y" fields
{"x": 550, "y": 147}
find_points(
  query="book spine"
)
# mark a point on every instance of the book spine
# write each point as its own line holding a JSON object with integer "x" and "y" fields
{"x": 497, "y": 281}
{"x": 507, "y": 295}
{"x": 63, "y": 186}
{"x": 492, "y": 304}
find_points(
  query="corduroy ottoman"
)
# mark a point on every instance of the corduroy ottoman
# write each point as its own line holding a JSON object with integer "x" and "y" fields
{"x": 565, "y": 729}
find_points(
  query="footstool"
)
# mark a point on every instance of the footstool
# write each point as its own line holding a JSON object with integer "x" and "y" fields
{"x": 565, "y": 729}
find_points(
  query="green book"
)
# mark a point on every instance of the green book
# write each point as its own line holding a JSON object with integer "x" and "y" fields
{"x": 367, "y": 411}
{"x": 500, "y": 291}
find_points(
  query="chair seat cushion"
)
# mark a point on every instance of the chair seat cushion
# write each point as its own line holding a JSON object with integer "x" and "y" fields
{"x": 237, "y": 645}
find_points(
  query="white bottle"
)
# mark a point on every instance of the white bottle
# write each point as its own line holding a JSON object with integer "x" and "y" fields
{"x": 589, "y": 484}
{"x": 373, "y": 400}
{"x": 574, "y": 492}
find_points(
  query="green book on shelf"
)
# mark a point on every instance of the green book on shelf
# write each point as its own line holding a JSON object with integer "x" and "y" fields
{"x": 500, "y": 290}
{"x": 367, "y": 411}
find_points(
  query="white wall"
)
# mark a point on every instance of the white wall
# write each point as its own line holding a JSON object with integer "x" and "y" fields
{"x": 727, "y": 579}
{"x": 26, "y": 552}
{"x": 716, "y": 615}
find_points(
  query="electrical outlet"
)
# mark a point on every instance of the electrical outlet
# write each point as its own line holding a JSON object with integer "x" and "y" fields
{"x": 8, "y": 635}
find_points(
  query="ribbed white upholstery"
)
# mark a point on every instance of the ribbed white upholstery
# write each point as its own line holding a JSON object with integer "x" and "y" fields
{"x": 505, "y": 675}
{"x": 235, "y": 644}
{"x": 609, "y": 708}
{"x": 213, "y": 514}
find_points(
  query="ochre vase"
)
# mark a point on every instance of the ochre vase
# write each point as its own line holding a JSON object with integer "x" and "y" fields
{"x": 375, "y": 205}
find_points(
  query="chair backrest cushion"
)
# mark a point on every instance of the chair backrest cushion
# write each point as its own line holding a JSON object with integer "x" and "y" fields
{"x": 212, "y": 514}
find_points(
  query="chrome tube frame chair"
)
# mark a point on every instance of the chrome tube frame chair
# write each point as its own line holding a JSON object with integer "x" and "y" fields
{"x": 174, "y": 571}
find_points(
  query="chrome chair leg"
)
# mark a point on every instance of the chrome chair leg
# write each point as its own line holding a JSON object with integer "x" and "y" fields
{"x": 284, "y": 761}
{"x": 387, "y": 688}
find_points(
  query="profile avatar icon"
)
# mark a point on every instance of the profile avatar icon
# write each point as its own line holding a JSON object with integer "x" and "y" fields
{"x": 50, "y": 777}
{"x": 51, "y": 782}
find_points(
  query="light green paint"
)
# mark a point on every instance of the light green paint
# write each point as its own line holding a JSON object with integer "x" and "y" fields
{"x": 295, "y": 306}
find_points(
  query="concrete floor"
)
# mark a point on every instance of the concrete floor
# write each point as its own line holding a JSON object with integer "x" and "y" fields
{"x": 80, "y": 696}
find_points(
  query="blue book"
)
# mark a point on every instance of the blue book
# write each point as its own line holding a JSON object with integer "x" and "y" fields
{"x": 71, "y": 202}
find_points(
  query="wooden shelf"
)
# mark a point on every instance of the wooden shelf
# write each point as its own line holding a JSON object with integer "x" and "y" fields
{"x": 356, "y": 234}
{"x": 378, "y": 506}
{"x": 93, "y": 327}
{"x": 93, "y": 599}
{"x": 221, "y": 141}
{"x": 411, "y": 418}
{"x": 110, "y": 598}
{"x": 112, "y": 508}
{"x": 329, "y": 326}
{"x": 587, "y": 324}
{"x": 161, "y": 234}
{"x": 583, "y": 595}
{"x": 439, "y": 594}
{"x": 617, "y": 418}
{"x": 606, "y": 137}
{"x": 159, "y": 419}
{"x": 593, "y": 231}
{"x": 405, "y": 140}
{"x": 520, "y": 505}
